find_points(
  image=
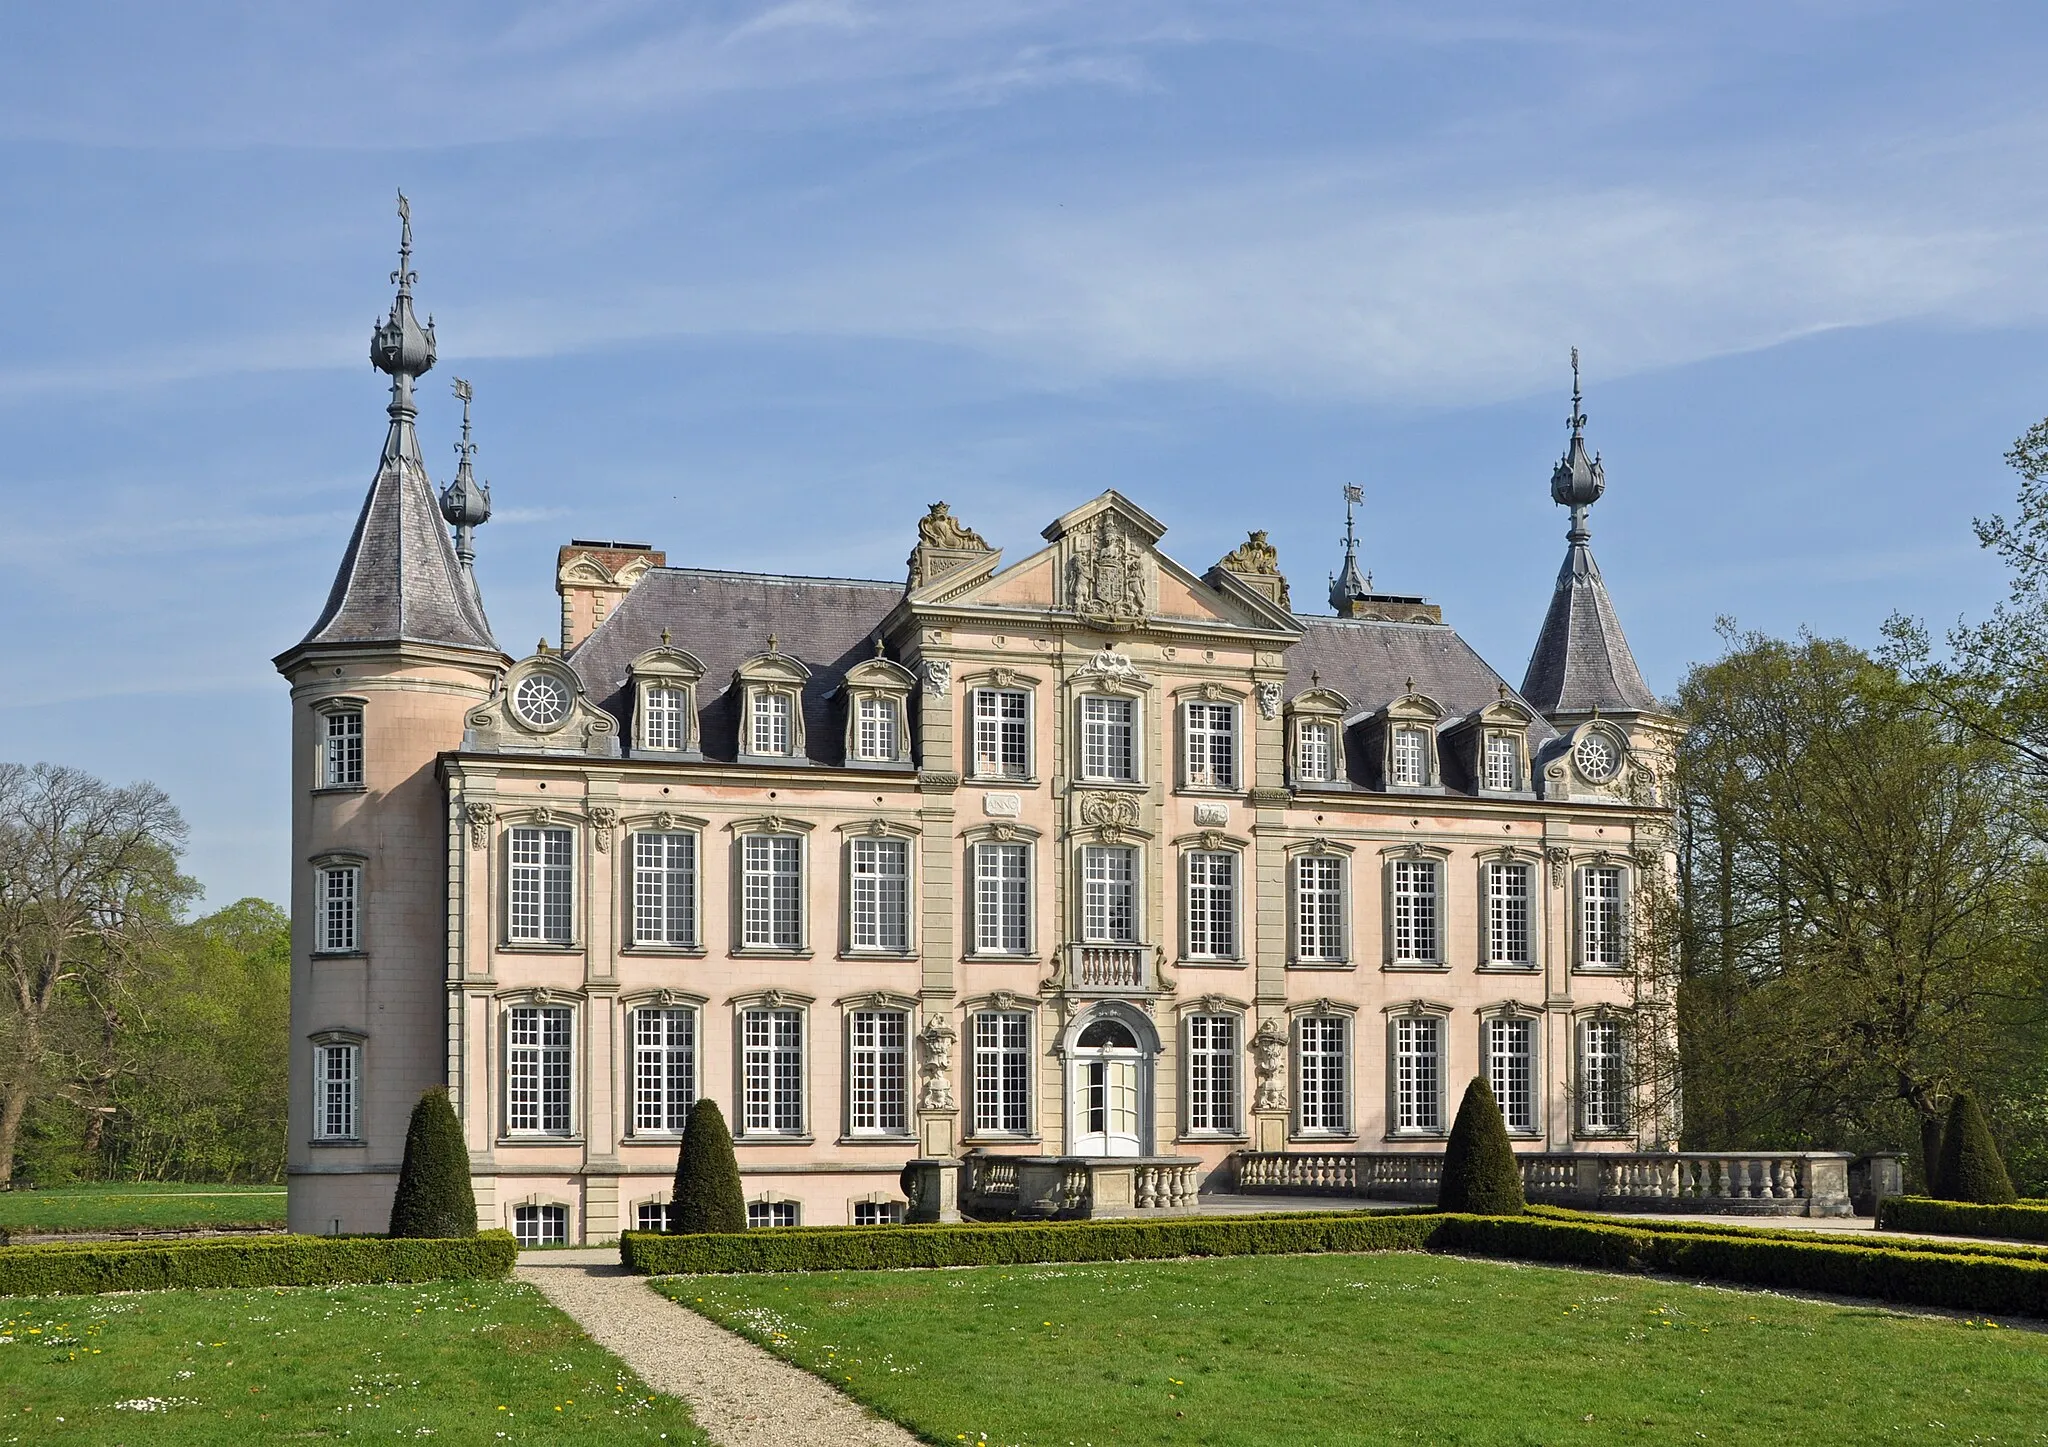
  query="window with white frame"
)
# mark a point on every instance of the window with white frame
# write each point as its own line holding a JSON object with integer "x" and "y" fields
{"x": 537, "y": 1070}
{"x": 664, "y": 718}
{"x": 341, "y": 765}
{"x": 1109, "y": 894}
{"x": 878, "y": 1072}
{"x": 337, "y": 1091}
{"x": 879, "y": 900}
{"x": 1603, "y": 1076}
{"x": 1508, "y": 890}
{"x": 1601, "y": 942}
{"x": 1409, "y": 762}
{"x": 771, "y": 1213}
{"x": 877, "y": 729}
{"x": 1212, "y": 1074}
{"x": 1418, "y": 925}
{"x": 877, "y": 1213}
{"x": 1002, "y": 899}
{"x": 1502, "y": 762}
{"x": 665, "y": 890}
{"x": 341, "y": 887}
{"x": 1315, "y": 752}
{"x": 1109, "y": 729}
{"x": 1511, "y": 1068}
{"x": 1211, "y": 905}
{"x": 771, "y": 730}
{"x": 1322, "y": 1074}
{"x": 541, "y": 886}
{"x": 1002, "y": 733}
{"x": 772, "y": 891}
{"x": 664, "y": 1069}
{"x": 772, "y": 1046}
{"x": 1418, "y": 1073}
{"x": 541, "y": 1225}
{"x": 1211, "y": 731}
{"x": 650, "y": 1216}
{"x": 1002, "y": 1073}
{"x": 1319, "y": 934}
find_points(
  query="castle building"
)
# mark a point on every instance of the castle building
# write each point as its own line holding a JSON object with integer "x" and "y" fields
{"x": 1073, "y": 852}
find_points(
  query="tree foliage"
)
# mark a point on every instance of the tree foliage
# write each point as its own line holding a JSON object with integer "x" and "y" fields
{"x": 434, "y": 1195}
{"x": 1480, "y": 1172}
{"x": 707, "y": 1190}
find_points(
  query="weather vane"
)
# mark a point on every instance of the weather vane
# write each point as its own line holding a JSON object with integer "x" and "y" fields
{"x": 405, "y": 275}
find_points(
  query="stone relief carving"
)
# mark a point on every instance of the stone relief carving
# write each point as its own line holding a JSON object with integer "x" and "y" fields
{"x": 543, "y": 816}
{"x": 1269, "y": 1060}
{"x": 1106, "y": 574}
{"x": 1269, "y": 700}
{"x": 1254, "y": 555}
{"x": 664, "y": 821}
{"x": 1212, "y": 839}
{"x": 1109, "y": 666}
{"x": 1212, "y": 816}
{"x": 481, "y": 817}
{"x": 935, "y": 1065}
{"x": 938, "y": 528}
{"x": 938, "y": 677}
{"x": 601, "y": 821}
{"x": 1113, "y": 814}
{"x": 1560, "y": 861}
{"x": 1002, "y": 806}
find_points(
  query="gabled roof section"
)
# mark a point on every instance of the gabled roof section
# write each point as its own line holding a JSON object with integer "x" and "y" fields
{"x": 1582, "y": 661}
{"x": 1374, "y": 663}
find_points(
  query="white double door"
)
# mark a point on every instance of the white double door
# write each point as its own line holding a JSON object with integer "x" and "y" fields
{"x": 1106, "y": 1102}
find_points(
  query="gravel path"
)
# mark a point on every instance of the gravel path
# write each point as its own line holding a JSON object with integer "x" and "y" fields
{"x": 740, "y": 1394}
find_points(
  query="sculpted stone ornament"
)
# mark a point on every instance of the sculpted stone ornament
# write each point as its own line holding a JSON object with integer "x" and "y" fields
{"x": 1269, "y": 700}
{"x": 1112, "y": 814}
{"x": 1110, "y": 666}
{"x": 1560, "y": 861}
{"x": 481, "y": 817}
{"x": 938, "y": 528}
{"x": 1269, "y": 1060}
{"x": 938, "y": 677}
{"x": 935, "y": 1065}
{"x": 1258, "y": 558}
{"x": 1106, "y": 576}
{"x": 601, "y": 821}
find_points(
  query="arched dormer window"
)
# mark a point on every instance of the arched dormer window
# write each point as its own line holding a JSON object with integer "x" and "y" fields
{"x": 1408, "y": 753}
{"x": 877, "y": 697}
{"x": 665, "y": 702}
{"x": 1315, "y": 739}
{"x": 1494, "y": 744}
{"x": 771, "y": 695}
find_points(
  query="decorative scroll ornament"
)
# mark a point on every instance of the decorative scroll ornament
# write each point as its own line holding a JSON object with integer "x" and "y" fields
{"x": 481, "y": 817}
{"x": 1113, "y": 814}
{"x": 938, "y": 528}
{"x": 1560, "y": 861}
{"x": 543, "y": 816}
{"x": 938, "y": 677}
{"x": 1269, "y": 1060}
{"x": 1109, "y": 666}
{"x": 664, "y": 821}
{"x": 935, "y": 1065}
{"x": 602, "y": 820}
{"x": 1106, "y": 575}
{"x": 1269, "y": 700}
{"x": 1254, "y": 555}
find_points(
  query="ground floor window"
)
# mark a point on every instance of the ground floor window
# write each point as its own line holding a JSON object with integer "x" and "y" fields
{"x": 1418, "y": 1073}
{"x": 1511, "y": 1069}
{"x": 1603, "y": 1079}
{"x": 1212, "y": 1073}
{"x": 540, "y": 1225}
{"x": 773, "y": 1043}
{"x": 1322, "y": 1072}
{"x": 335, "y": 1073}
{"x": 1002, "y": 1073}
{"x": 771, "y": 1213}
{"x": 877, "y": 1213}
{"x": 650, "y": 1216}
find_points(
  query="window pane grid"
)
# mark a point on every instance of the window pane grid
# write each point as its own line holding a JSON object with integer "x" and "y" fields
{"x": 772, "y": 891}
{"x": 875, "y": 735}
{"x": 1212, "y": 745}
{"x": 1411, "y": 757}
{"x": 771, "y": 731}
{"x": 1109, "y": 895}
{"x": 540, "y": 1225}
{"x": 1600, "y": 924}
{"x": 665, "y": 719}
{"x": 1503, "y": 762}
{"x": 1315, "y": 754}
{"x": 1002, "y": 1073}
{"x": 344, "y": 749}
{"x": 763, "y": 1214}
{"x": 1415, "y": 911}
{"x": 1001, "y": 899}
{"x": 1418, "y": 1074}
{"x": 537, "y": 1069}
{"x": 664, "y": 1069}
{"x": 541, "y": 886}
{"x": 1319, "y": 907}
{"x": 1321, "y": 1073}
{"x": 1212, "y": 905}
{"x": 665, "y": 890}
{"x": 1507, "y": 914}
{"x": 1107, "y": 729}
{"x": 1212, "y": 1073}
{"x": 335, "y": 1076}
{"x": 880, "y": 901}
{"x": 1000, "y": 742}
{"x": 1602, "y": 1076}
{"x": 1511, "y": 1070}
{"x": 879, "y": 1088}
{"x": 773, "y": 1044}
{"x": 339, "y": 890}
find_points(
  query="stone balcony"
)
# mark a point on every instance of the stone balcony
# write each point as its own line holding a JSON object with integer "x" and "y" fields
{"x": 1108, "y": 970}
{"x": 1051, "y": 1188}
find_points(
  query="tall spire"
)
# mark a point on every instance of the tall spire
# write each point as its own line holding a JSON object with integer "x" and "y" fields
{"x": 1347, "y": 588}
{"x": 465, "y": 502}
{"x": 400, "y": 580}
{"x": 1581, "y": 663}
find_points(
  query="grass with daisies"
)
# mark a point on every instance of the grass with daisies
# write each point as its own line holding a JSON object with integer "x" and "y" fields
{"x": 456, "y": 1362}
{"x": 1392, "y": 1348}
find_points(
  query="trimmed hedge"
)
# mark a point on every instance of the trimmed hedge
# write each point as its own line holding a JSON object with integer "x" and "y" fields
{"x": 707, "y": 1194}
{"x": 1865, "y": 1240}
{"x": 434, "y": 1199}
{"x": 87, "y": 1268}
{"x": 1971, "y": 1169}
{"x": 2014, "y": 1285}
{"x": 1480, "y": 1174}
{"x": 1960, "y": 1218}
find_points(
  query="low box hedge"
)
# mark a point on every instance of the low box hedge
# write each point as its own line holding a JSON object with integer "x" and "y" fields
{"x": 1868, "y": 1240}
{"x": 2024, "y": 1222}
{"x": 89, "y": 1267}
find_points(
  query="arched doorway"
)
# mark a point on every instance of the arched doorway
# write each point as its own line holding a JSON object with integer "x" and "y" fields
{"x": 1109, "y": 1084}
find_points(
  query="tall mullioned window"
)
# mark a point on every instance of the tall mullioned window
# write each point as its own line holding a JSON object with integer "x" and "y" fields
{"x": 341, "y": 888}
{"x": 773, "y": 726}
{"x": 537, "y": 1070}
{"x": 1002, "y": 733}
{"x": 772, "y": 1044}
{"x": 664, "y": 1070}
{"x": 666, "y": 719}
{"x": 1503, "y": 762}
{"x": 1322, "y": 1074}
{"x": 1601, "y": 942}
{"x": 1511, "y": 1069}
{"x": 665, "y": 890}
{"x": 1319, "y": 908}
{"x": 1109, "y": 894}
{"x": 1002, "y": 899}
{"x": 1002, "y": 1073}
{"x": 1409, "y": 764}
{"x": 1315, "y": 752}
{"x": 1603, "y": 1076}
{"x": 1212, "y": 745}
{"x": 341, "y": 764}
{"x": 1212, "y": 1073}
{"x": 1417, "y": 891}
{"x": 1211, "y": 905}
{"x": 878, "y": 1072}
{"x": 1419, "y": 1073}
{"x": 772, "y": 891}
{"x": 880, "y": 896}
{"x": 1108, "y": 738}
{"x": 541, "y": 880}
{"x": 337, "y": 1076}
{"x": 1508, "y": 935}
{"x": 876, "y": 730}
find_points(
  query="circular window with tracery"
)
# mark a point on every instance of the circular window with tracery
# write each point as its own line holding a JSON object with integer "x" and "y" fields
{"x": 541, "y": 700}
{"x": 1597, "y": 758}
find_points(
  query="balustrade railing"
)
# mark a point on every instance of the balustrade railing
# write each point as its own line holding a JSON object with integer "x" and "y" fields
{"x": 1109, "y": 967}
{"x": 1043, "y": 1187}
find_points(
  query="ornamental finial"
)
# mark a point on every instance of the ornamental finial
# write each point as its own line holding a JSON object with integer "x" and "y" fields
{"x": 1578, "y": 480}
{"x": 399, "y": 346}
{"x": 465, "y": 502}
{"x": 1577, "y": 421}
{"x": 405, "y": 276}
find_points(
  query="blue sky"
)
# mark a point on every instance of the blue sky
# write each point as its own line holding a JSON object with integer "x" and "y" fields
{"x": 757, "y": 281}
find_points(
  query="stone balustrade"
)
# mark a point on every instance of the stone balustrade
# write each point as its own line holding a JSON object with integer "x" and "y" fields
{"x": 1108, "y": 968}
{"x": 1071, "y": 1187}
{"x": 1783, "y": 1183}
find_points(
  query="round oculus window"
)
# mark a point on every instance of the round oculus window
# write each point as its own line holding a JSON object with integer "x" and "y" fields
{"x": 541, "y": 700}
{"x": 1597, "y": 758}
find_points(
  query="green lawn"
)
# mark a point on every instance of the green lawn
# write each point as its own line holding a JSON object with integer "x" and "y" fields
{"x": 457, "y": 1362}
{"x": 1379, "y": 1349}
{"x": 116, "y": 1206}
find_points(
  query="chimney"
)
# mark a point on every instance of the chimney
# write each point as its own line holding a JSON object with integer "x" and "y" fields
{"x": 594, "y": 577}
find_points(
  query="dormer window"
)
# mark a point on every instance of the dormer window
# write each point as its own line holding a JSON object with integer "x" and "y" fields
{"x": 771, "y": 710}
{"x": 1315, "y": 738}
{"x": 877, "y": 697}
{"x": 1502, "y": 764}
{"x": 770, "y": 730}
{"x": 1315, "y": 752}
{"x": 665, "y": 690}
{"x": 664, "y": 719}
{"x": 1410, "y": 766}
{"x": 876, "y": 729}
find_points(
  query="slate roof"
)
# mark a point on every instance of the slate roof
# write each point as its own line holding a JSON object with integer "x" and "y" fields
{"x": 1581, "y": 661}
{"x": 399, "y": 580}
{"x": 829, "y": 624}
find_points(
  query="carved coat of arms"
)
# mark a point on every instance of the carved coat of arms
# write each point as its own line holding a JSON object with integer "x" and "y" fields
{"x": 1106, "y": 577}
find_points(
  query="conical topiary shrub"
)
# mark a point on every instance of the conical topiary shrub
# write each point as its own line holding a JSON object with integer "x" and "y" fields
{"x": 1970, "y": 1168}
{"x": 1480, "y": 1173}
{"x": 434, "y": 1196}
{"x": 707, "y": 1195}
